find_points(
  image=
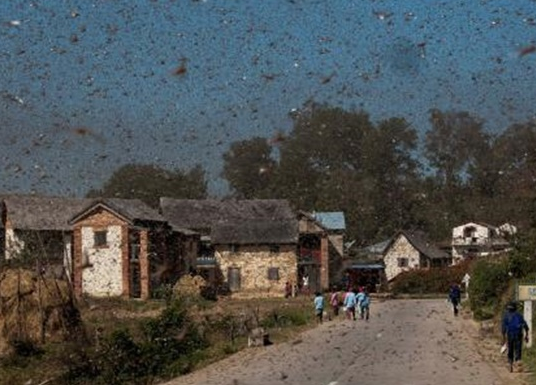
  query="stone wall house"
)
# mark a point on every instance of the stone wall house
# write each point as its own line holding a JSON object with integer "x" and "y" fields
{"x": 254, "y": 226}
{"x": 120, "y": 249}
{"x": 474, "y": 239}
{"x": 36, "y": 229}
{"x": 412, "y": 250}
{"x": 257, "y": 257}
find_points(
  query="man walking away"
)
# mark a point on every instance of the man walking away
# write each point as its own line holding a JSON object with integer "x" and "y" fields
{"x": 455, "y": 297}
{"x": 513, "y": 325}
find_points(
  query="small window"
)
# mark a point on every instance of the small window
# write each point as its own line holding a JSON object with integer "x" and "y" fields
{"x": 100, "y": 238}
{"x": 273, "y": 274}
{"x": 235, "y": 248}
{"x": 402, "y": 262}
{"x": 274, "y": 248}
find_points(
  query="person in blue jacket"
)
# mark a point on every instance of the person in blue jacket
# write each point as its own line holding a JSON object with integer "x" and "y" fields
{"x": 455, "y": 297}
{"x": 513, "y": 325}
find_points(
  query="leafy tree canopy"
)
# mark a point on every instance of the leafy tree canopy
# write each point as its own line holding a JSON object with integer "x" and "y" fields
{"x": 149, "y": 183}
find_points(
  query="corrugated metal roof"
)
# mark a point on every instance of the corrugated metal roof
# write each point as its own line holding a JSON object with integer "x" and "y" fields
{"x": 371, "y": 266}
{"x": 333, "y": 220}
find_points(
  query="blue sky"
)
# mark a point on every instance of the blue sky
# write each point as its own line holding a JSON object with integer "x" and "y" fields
{"x": 89, "y": 85}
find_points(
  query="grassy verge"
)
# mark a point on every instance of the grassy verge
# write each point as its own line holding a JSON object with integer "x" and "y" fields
{"x": 158, "y": 343}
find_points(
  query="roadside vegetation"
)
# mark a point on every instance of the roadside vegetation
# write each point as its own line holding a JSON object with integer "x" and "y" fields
{"x": 134, "y": 342}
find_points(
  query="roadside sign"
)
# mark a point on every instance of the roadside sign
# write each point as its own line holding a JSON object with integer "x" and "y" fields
{"x": 526, "y": 292}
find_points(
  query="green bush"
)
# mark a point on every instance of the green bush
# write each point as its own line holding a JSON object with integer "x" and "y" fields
{"x": 489, "y": 281}
{"x": 170, "y": 345}
{"x": 432, "y": 281}
{"x": 279, "y": 318}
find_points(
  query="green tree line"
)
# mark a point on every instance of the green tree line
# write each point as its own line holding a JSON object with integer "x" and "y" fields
{"x": 383, "y": 175}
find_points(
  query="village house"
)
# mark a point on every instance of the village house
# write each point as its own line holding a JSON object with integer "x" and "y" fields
{"x": 249, "y": 246}
{"x": 365, "y": 266}
{"x": 36, "y": 228}
{"x": 409, "y": 250}
{"x": 473, "y": 239}
{"x": 120, "y": 248}
{"x": 321, "y": 248}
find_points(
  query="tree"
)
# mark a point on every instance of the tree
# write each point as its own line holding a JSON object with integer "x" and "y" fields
{"x": 335, "y": 160}
{"x": 149, "y": 183}
{"x": 249, "y": 167}
{"x": 453, "y": 143}
{"x": 452, "y": 147}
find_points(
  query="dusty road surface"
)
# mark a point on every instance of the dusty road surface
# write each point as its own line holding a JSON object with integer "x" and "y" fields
{"x": 405, "y": 342}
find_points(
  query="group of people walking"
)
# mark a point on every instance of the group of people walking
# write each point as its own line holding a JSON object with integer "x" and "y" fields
{"x": 355, "y": 303}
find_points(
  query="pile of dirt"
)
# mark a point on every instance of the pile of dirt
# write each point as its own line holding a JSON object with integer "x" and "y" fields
{"x": 189, "y": 286}
{"x": 34, "y": 309}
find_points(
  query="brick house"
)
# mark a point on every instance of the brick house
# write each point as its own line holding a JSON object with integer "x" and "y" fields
{"x": 119, "y": 249}
{"x": 474, "y": 239}
{"x": 410, "y": 250}
{"x": 37, "y": 228}
{"x": 247, "y": 245}
{"x": 321, "y": 248}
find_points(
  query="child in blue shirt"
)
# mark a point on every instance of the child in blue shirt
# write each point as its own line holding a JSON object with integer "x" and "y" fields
{"x": 365, "y": 305}
{"x": 319, "y": 307}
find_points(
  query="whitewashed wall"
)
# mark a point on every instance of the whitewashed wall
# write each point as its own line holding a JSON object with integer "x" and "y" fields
{"x": 480, "y": 237}
{"x": 102, "y": 274}
{"x": 14, "y": 245}
{"x": 68, "y": 255}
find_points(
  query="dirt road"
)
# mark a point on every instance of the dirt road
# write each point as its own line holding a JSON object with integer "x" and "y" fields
{"x": 405, "y": 342}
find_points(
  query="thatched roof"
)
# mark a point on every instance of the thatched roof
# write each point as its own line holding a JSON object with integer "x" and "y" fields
{"x": 41, "y": 213}
{"x": 255, "y": 232}
{"x": 199, "y": 214}
{"x": 130, "y": 209}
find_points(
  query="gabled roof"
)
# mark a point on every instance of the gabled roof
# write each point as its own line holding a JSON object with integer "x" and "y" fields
{"x": 26, "y": 212}
{"x": 377, "y": 248}
{"x": 491, "y": 227}
{"x": 130, "y": 210}
{"x": 256, "y": 221}
{"x": 197, "y": 214}
{"x": 331, "y": 220}
{"x": 255, "y": 232}
{"x": 419, "y": 241}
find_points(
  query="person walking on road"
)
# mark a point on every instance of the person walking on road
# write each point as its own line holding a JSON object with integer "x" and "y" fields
{"x": 364, "y": 305}
{"x": 350, "y": 303}
{"x": 319, "y": 307}
{"x": 455, "y": 297}
{"x": 359, "y": 297}
{"x": 335, "y": 301}
{"x": 513, "y": 325}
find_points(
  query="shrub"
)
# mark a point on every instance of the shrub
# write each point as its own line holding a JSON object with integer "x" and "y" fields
{"x": 435, "y": 280}
{"x": 489, "y": 280}
{"x": 287, "y": 317}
